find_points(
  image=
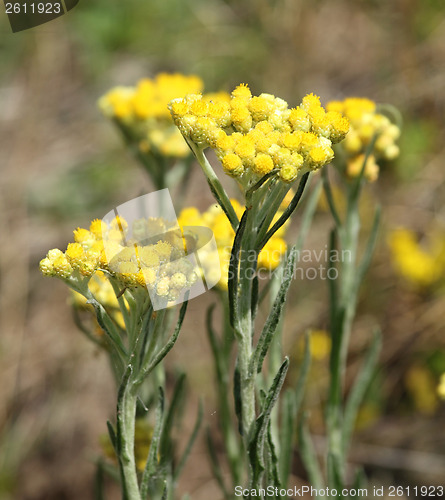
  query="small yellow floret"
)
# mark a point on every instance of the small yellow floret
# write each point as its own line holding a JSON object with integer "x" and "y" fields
{"x": 74, "y": 252}
{"x": 82, "y": 235}
{"x": 263, "y": 164}
{"x": 242, "y": 91}
{"x": 98, "y": 228}
{"x": 232, "y": 165}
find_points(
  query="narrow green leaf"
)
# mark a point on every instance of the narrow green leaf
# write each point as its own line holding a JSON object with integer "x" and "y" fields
{"x": 215, "y": 345}
{"x": 190, "y": 443}
{"x": 255, "y": 297}
{"x": 146, "y": 329}
{"x": 309, "y": 455}
{"x": 330, "y": 197}
{"x": 308, "y": 215}
{"x": 304, "y": 371}
{"x": 166, "y": 349}
{"x": 272, "y": 462}
{"x": 99, "y": 493}
{"x": 370, "y": 247}
{"x": 273, "y": 319}
{"x": 165, "y": 445}
{"x": 237, "y": 398}
{"x": 112, "y": 434}
{"x": 288, "y": 418}
{"x": 233, "y": 270}
{"x": 359, "y": 389}
{"x": 332, "y": 283}
{"x": 257, "y": 442}
{"x": 359, "y": 479}
{"x": 214, "y": 462}
{"x": 287, "y": 213}
{"x": 122, "y": 393}
{"x": 335, "y": 479}
{"x": 90, "y": 335}
{"x": 356, "y": 185}
{"x": 263, "y": 179}
{"x": 108, "y": 326}
{"x": 215, "y": 185}
{"x": 152, "y": 460}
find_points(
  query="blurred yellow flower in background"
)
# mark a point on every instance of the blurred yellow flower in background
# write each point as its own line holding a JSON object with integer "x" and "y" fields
{"x": 142, "y": 111}
{"x": 366, "y": 123}
{"x": 420, "y": 266}
{"x": 421, "y": 386}
{"x": 215, "y": 219}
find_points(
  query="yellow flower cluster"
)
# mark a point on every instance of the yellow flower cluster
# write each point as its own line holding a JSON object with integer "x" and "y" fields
{"x": 215, "y": 219}
{"x": 417, "y": 265}
{"x": 157, "y": 265}
{"x": 143, "y": 111}
{"x": 365, "y": 124}
{"x": 252, "y": 135}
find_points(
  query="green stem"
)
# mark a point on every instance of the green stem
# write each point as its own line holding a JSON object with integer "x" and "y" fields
{"x": 342, "y": 317}
{"x": 244, "y": 327}
{"x": 216, "y": 186}
{"x": 126, "y": 416}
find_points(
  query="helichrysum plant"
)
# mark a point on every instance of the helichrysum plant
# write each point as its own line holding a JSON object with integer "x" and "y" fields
{"x": 266, "y": 147}
{"x": 130, "y": 275}
{"x": 132, "y": 280}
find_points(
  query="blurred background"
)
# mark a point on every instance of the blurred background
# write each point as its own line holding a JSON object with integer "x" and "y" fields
{"x": 63, "y": 164}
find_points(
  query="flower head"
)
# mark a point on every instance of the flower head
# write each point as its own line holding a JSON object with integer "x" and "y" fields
{"x": 260, "y": 133}
{"x": 117, "y": 252}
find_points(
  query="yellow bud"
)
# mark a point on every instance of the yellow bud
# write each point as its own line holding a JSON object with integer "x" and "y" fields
{"x": 163, "y": 287}
{"x": 241, "y": 118}
{"x": 263, "y": 164}
{"x": 62, "y": 267}
{"x": 199, "y": 108}
{"x": 264, "y": 126}
{"x": 242, "y": 91}
{"x": 54, "y": 254}
{"x": 245, "y": 148}
{"x": 232, "y": 165}
{"x": 74, "y": 252}
{"x": 46, "y": 267}
{"x": 260, "y": 108}
{"x": 98, "y": 228}
{"x": 178, "y": 280}
{"x": 83, "y": 236}
{"x": 163, "y": 249}
{"x": 288, "y": 173}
